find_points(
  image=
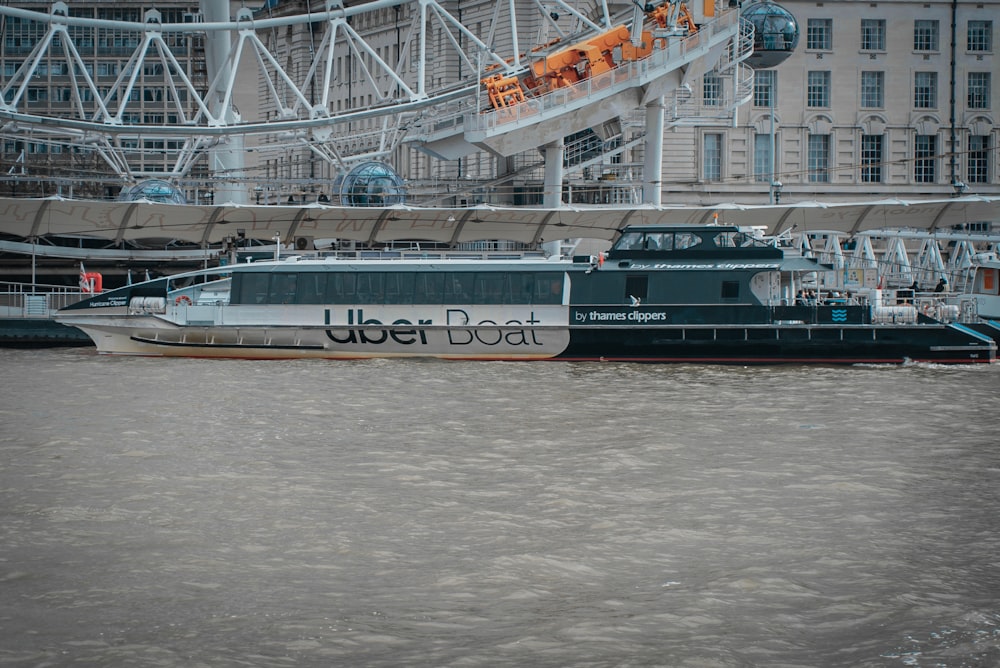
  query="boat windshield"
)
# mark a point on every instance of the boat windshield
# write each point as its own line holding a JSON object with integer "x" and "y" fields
{"x": 737, "y": 239}
{"x": 659, "y": 240}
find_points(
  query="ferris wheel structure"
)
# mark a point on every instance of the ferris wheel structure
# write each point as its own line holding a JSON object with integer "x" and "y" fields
{"x": 350, "y": 83}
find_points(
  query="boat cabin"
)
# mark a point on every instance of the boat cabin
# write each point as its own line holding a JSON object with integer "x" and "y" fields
{"x": 694, "y": 266}
{"x": 690, "y": 243}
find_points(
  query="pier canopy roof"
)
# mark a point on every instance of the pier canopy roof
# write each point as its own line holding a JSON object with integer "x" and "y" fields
{"x": 142, "y": 219}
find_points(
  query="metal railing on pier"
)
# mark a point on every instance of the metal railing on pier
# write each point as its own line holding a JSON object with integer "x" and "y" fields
{"x": 36, "y": 301}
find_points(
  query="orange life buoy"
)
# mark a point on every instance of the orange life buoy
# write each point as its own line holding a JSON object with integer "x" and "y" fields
{"x": 91, "y": 281}
{"x": 183, "y": 299}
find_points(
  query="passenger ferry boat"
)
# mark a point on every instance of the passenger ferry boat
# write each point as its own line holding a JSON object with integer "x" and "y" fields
{"x": 711, "y": 294}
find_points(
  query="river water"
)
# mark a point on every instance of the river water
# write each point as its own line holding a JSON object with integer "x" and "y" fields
{"x": 178, "y": 512}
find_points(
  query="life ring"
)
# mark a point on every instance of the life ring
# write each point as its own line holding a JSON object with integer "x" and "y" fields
{"x": 183, "y": 299}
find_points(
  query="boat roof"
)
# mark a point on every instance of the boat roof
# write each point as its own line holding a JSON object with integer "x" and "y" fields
{"x": 300, "y": 263}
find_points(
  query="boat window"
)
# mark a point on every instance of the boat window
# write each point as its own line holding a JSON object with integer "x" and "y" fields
{"x": 371, "y": 288}
{"x": 492, "y": 287}
{"x": 376, "y": 287}
{"x": 249, "y": 288}
{"x": 630, "y": 241}
{"x": 310, "y": 288}
{"x": 399, "y": 288}
{"x": 725, "y": 239}
{"x": 342, "y": 288}
{"x": 458, "y": 287}
{"x": 659, "y": 241}
{"x": 684, "y": 240}
{"x": 428, "y": 288}
{"x": 522, "y": 288}
{"x": 548, "y": 288}
{"x": 730, "y": 289}
{"x": 281, "y": 289}
{"x": 664, "y": 241}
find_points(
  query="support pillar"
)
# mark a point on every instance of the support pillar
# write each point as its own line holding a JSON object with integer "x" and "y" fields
{"x": 228, "y": 157}
{"x": 652, "y": 166}
{"x": 552, "y": 194}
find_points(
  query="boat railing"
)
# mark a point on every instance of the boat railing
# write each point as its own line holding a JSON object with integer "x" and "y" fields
{"x": 947, "y": 306}
{"x": 418, "y": 254}
{"x": 35, "y": 300}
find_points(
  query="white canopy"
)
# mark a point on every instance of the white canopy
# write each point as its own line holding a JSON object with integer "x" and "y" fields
{"x": 209, "y": 224}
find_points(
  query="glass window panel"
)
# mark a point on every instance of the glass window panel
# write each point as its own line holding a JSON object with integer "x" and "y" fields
{"x": 713, "y": 157}
{"x": 342, "y": 288}
{"x": 871, "y": 158}
{"x": 459, "y": 287}
{"x": 311, "y": 288}
{"x": 523, "y": 288}
{"x": 712, "y": 90}
{"x": 925, "y": 35}
{"x": 251, "y": 288}
{"x": 818, "y": 89}
{"x": 762, "y": 158}
{"x": 979, "y": 90}
{"x": 925, "y": 159}
{"x": 428, "y": 288}
{"x": 658, "y": 241}
{"x": 281, "y": 289}
{"x": 980, "y": 36}
{"x": 873, "y": 34}
{"x": 925, "y": 90}
{"x": 819, "y": 158}
{"x": 872, "y": 87}
{"x": 684, "y": 240}
{"x": 548, "y": 288}
{"x": 819, "y": 34}
{"x": 764, "y": 88}
{"x": 399, "y": 287}
{"x": 630, "y": 241}
{"x": 979, "y": 159}
{"x": 370, "y": 287}
{"x": 490, "y": 288}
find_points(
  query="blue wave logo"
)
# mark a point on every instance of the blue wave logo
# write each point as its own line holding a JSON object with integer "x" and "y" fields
{"x": 838, "y": 315}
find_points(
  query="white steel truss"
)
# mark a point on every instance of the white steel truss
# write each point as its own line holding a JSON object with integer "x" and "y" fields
{"x": 901, "y": 265}
{"x": 436, "y": 65}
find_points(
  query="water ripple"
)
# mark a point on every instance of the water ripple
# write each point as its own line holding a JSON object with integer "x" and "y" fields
{"x": 416, "y": 513}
